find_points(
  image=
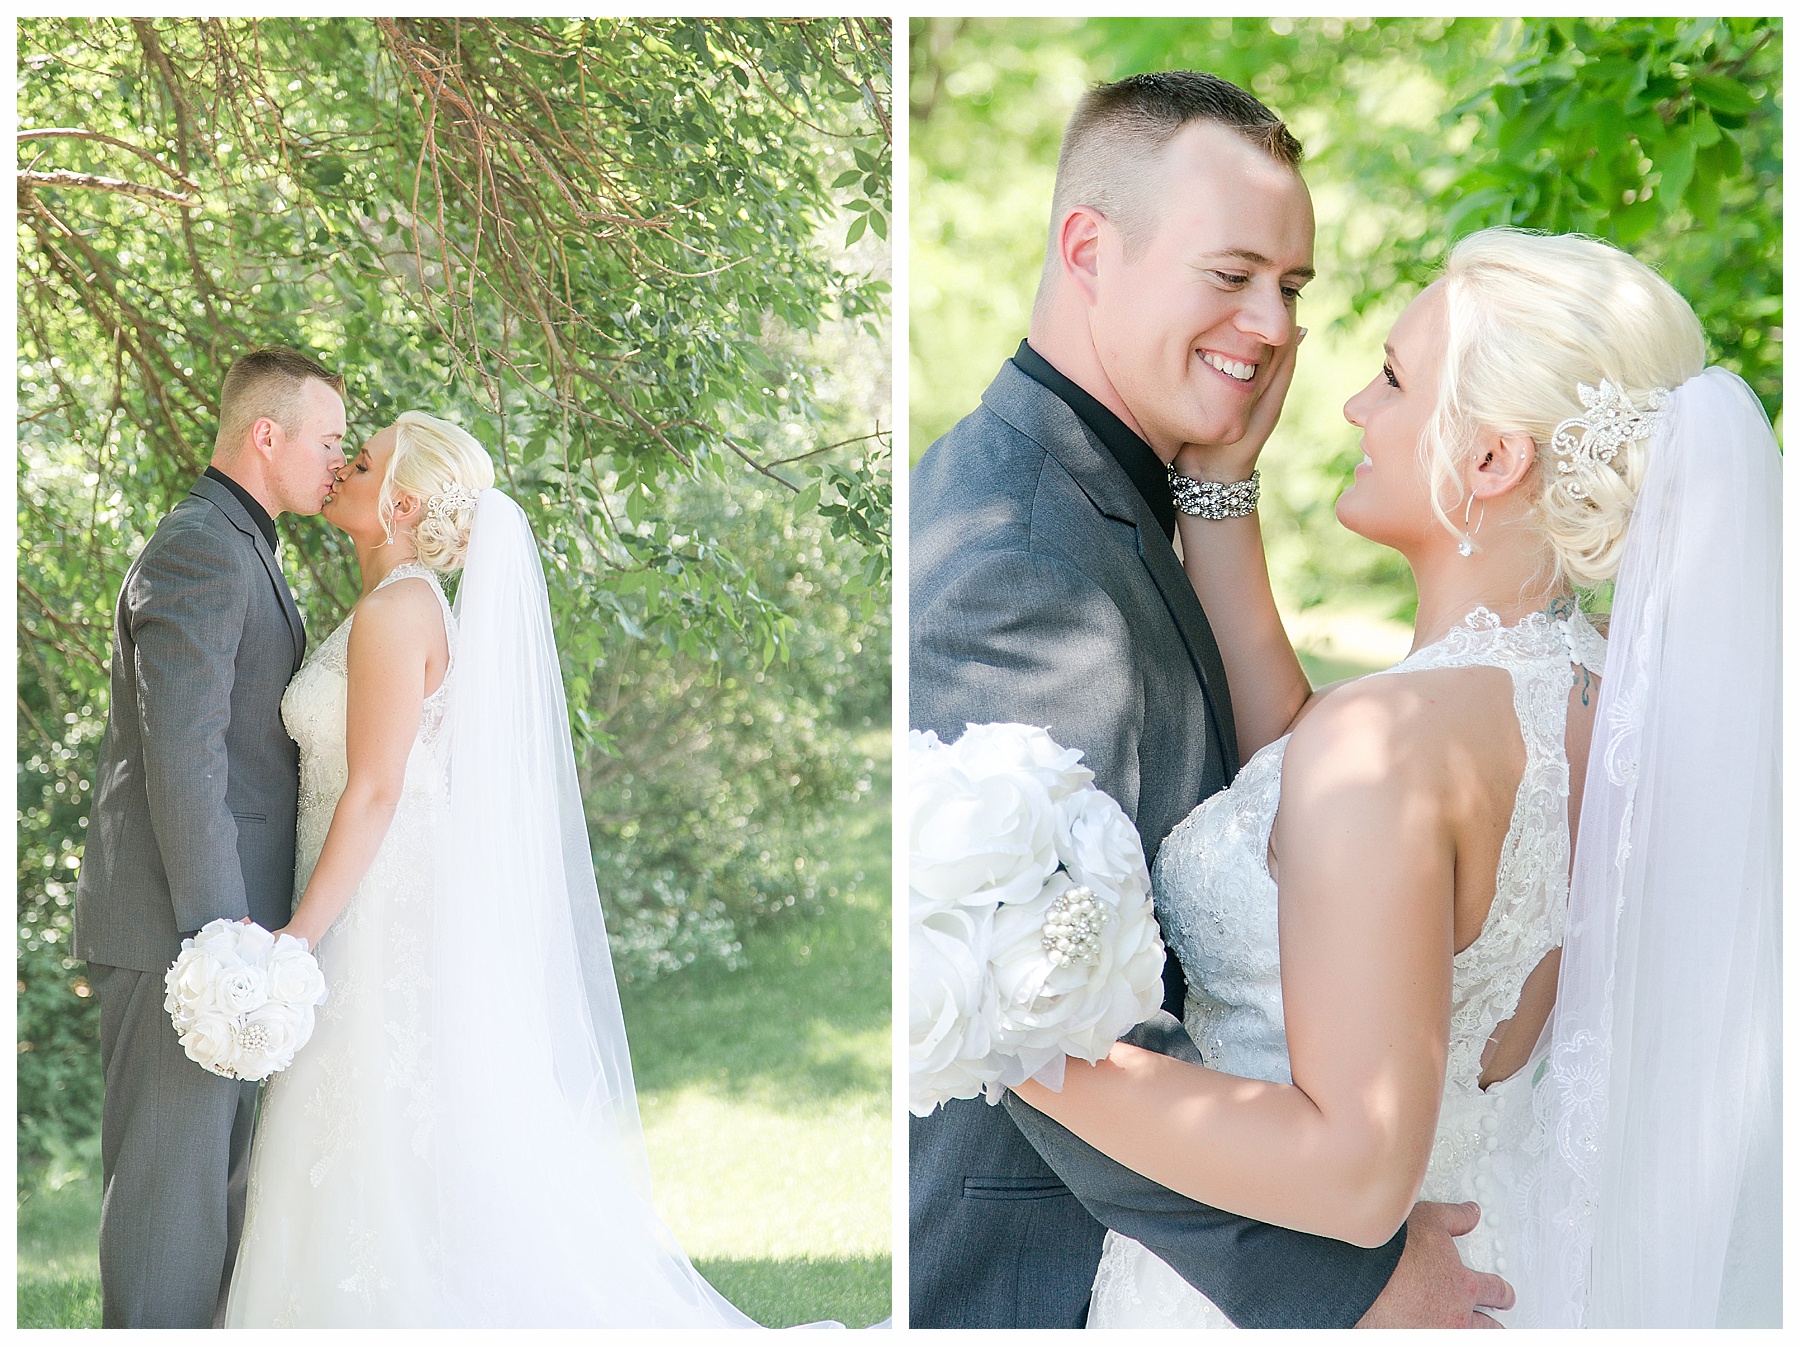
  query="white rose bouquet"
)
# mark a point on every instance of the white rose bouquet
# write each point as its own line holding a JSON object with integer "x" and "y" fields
{"x": 1032, "y": 932}
{"x": 242, "y": 999}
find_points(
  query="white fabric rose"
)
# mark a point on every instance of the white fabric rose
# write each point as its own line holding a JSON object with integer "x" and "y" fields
{"x": 218, "y": 938}
{"x": 254, "y": 943}
{"x": 1061, "y": 957}
{"x": 270, "y": 1037}
{"x": 950, "y": 1019}
{"x": 189, "y": 984}
{"x": 978, "y": 838}
{"x": 1079, "y": 1008}
{"x": 1099, "y": 846}
{"x": 1022, "y": 749}
{"x": 241, "y": 989}
{"x": 241, "y": 999}
{"x": 211, "y": 1042}
{"x": 1124, "y": 987}
{"x": 294, "y": 974}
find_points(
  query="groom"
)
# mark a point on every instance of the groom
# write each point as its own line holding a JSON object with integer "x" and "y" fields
{"x": 1045, "y": 589}
{"x": 193, "y": 820}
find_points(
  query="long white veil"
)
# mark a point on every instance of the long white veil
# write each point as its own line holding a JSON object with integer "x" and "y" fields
{"x": 542, "y": 1180}
{"x": 1658, "y": 1198}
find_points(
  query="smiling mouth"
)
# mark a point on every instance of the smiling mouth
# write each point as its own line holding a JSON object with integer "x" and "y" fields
{"x": 1231, "y": 369}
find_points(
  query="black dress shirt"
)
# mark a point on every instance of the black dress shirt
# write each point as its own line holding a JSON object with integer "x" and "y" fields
{"x": 258, "y": 515}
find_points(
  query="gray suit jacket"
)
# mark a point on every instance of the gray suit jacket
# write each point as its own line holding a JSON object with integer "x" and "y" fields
{"x": 195, "y": 794}
{"x": 1043, "y": 590}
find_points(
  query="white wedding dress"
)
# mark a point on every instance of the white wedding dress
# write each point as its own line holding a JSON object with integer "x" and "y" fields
{"x": 341, "y": 1180}
{"x": 372, "y": 1201}
{"x": 1218, "y": 908}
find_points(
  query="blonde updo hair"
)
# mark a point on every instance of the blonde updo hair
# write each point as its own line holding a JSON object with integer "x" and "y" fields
{"x": 1528, "y": 317}
{"x": 429, "y": 457}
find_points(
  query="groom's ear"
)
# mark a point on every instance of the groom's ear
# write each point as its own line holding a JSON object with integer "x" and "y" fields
{"x": 1078, "y": 249}
{"x": 263, "y": 434}
{"x": 1502, "y": 461}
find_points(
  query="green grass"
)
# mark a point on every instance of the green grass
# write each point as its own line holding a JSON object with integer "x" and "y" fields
{"x": 766, "y": 1100}
{"x": 59, "y": 1258}
{"x": 765, "y": 1097}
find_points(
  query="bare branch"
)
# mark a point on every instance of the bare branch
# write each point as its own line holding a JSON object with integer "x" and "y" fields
{"x": 772, "y": 476}
{"x": 827, "y": 448}
{"x": 31, "y": 179}
{"x": 76, "y": 133}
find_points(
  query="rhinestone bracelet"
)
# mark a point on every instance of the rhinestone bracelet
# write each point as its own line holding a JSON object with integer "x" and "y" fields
{"x": 1215, "y": 499}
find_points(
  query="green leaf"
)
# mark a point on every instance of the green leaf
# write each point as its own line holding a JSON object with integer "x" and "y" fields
{"x": 1729, "y": 158}
{"x": 1724, "y": 95}
{"x": 1702, "y": 195}
{"x": 1634, "y": 221}
{"x": 1519, "y": 136}
{"x": 1677, "y": 166}
{"x": 1609, "y": 131}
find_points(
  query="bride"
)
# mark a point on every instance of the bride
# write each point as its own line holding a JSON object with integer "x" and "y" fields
{"x": 459, "y": 1144}
{"x": 1398, "y": 991}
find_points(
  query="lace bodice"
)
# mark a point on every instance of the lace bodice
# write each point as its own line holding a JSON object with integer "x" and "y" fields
{"x": 1218, "y": 908}
{"x": 313, "y": 709}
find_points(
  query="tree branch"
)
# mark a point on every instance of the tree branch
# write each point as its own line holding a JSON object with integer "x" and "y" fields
{"x": 76, "y": 133}
{"x": 30, "y": 180}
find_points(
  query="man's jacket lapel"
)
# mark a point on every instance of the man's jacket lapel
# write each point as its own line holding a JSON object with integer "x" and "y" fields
{"x": 234, "y": 511}
{"x": 1034, "y": 410}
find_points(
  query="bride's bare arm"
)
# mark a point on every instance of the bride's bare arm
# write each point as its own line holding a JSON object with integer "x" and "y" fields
{"x": 1365, "y": 836}
{"x": 397, "y": 631}
{"x": 1225, "y": 563}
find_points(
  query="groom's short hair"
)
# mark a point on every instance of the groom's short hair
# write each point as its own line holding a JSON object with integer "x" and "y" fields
{"x": 267, "y": 381}
{"x": 1118, "y": 130}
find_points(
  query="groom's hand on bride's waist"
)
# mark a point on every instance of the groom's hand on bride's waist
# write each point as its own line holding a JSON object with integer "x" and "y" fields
{"x": 1430, "y": 1286}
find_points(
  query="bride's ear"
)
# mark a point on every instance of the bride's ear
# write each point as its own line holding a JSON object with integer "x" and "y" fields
{"x": 1502, "y": 461}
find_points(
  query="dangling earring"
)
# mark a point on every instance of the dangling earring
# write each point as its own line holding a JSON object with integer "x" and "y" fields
{"x": 387, "y": 523}
{"x": 1467, "y": 546}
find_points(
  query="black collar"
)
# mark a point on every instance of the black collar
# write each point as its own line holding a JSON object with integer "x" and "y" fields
{"x": 258, "y": 515}
{"x": 1147, "y": 472}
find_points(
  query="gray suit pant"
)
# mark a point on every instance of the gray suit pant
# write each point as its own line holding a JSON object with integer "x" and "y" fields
{"x": 175, "y": 1154}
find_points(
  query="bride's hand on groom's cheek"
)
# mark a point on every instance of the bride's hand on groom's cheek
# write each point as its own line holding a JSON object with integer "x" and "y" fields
{"x": 1233, "y": 462}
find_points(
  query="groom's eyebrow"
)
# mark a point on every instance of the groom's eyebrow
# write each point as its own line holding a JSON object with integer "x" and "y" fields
{"x": 1256, "y": 258}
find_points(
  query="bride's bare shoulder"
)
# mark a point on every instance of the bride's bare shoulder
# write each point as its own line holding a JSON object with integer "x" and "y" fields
{"x": 1406, "y": 727}
{"x": 404, "y": 613}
